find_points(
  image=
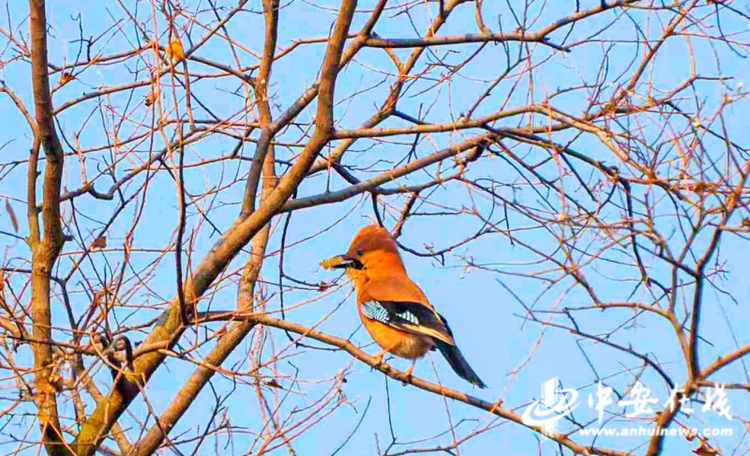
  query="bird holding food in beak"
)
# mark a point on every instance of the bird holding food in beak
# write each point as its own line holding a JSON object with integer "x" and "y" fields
{"x": 393, "y": 309}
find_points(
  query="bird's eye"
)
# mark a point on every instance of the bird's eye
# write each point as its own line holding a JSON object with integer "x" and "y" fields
{"x": 360, "y": 252}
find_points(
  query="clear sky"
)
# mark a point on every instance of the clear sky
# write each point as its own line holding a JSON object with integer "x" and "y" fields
{"x": 513, "y": 356}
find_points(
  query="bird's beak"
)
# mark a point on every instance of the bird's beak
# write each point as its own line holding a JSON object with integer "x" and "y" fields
{"x": 341, "y": 262}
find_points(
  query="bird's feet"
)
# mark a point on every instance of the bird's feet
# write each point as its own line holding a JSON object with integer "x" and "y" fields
{"x": 379, "y": 360}
{"x": 408, "y": 372}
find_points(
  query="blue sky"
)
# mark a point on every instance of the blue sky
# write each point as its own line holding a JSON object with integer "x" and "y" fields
{"x": 514, "y": 357}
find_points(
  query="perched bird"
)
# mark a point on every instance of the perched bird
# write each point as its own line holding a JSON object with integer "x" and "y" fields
{"x": 393, "y": 309}
{"x": 119, "y": 353}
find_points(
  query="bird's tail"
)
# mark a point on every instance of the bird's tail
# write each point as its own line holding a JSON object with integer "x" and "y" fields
{"x": 458, "y": 363}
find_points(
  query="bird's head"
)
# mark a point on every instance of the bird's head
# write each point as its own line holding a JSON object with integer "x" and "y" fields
{"x": 372, "y": 248}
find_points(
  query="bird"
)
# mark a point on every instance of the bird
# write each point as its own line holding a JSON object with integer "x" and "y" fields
{"x": 393, "y": 309}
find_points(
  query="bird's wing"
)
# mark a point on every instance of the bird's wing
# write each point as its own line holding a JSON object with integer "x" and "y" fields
{"x": 411, "y": 317}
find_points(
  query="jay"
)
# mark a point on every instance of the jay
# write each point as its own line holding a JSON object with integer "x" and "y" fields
{"x": 393, "y": 309}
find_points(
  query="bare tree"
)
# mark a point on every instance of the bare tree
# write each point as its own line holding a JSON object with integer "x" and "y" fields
{"x": 588, "y": 161}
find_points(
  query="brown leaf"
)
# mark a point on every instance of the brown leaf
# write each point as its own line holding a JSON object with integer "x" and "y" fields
{"x": 56, "y": 382}
{"x": 150, "y": 99}
{"x": 705, "y": 450}
{"x": 13, "y": 219}
{"x": 175, "y": 51}
{"x": 66, "y": 78}
{"x": 100, "y": 243}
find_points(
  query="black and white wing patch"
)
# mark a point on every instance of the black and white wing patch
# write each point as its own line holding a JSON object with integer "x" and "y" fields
{"x": 411, "y": 317}
{"x": 374, "y": 310}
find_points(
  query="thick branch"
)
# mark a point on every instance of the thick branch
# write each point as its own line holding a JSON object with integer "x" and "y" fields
{"x": 46, "y": 250}
{"x": 493, "y": 408}
{"x": 169, "y": 328}
{"x": 230, "y": 340}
